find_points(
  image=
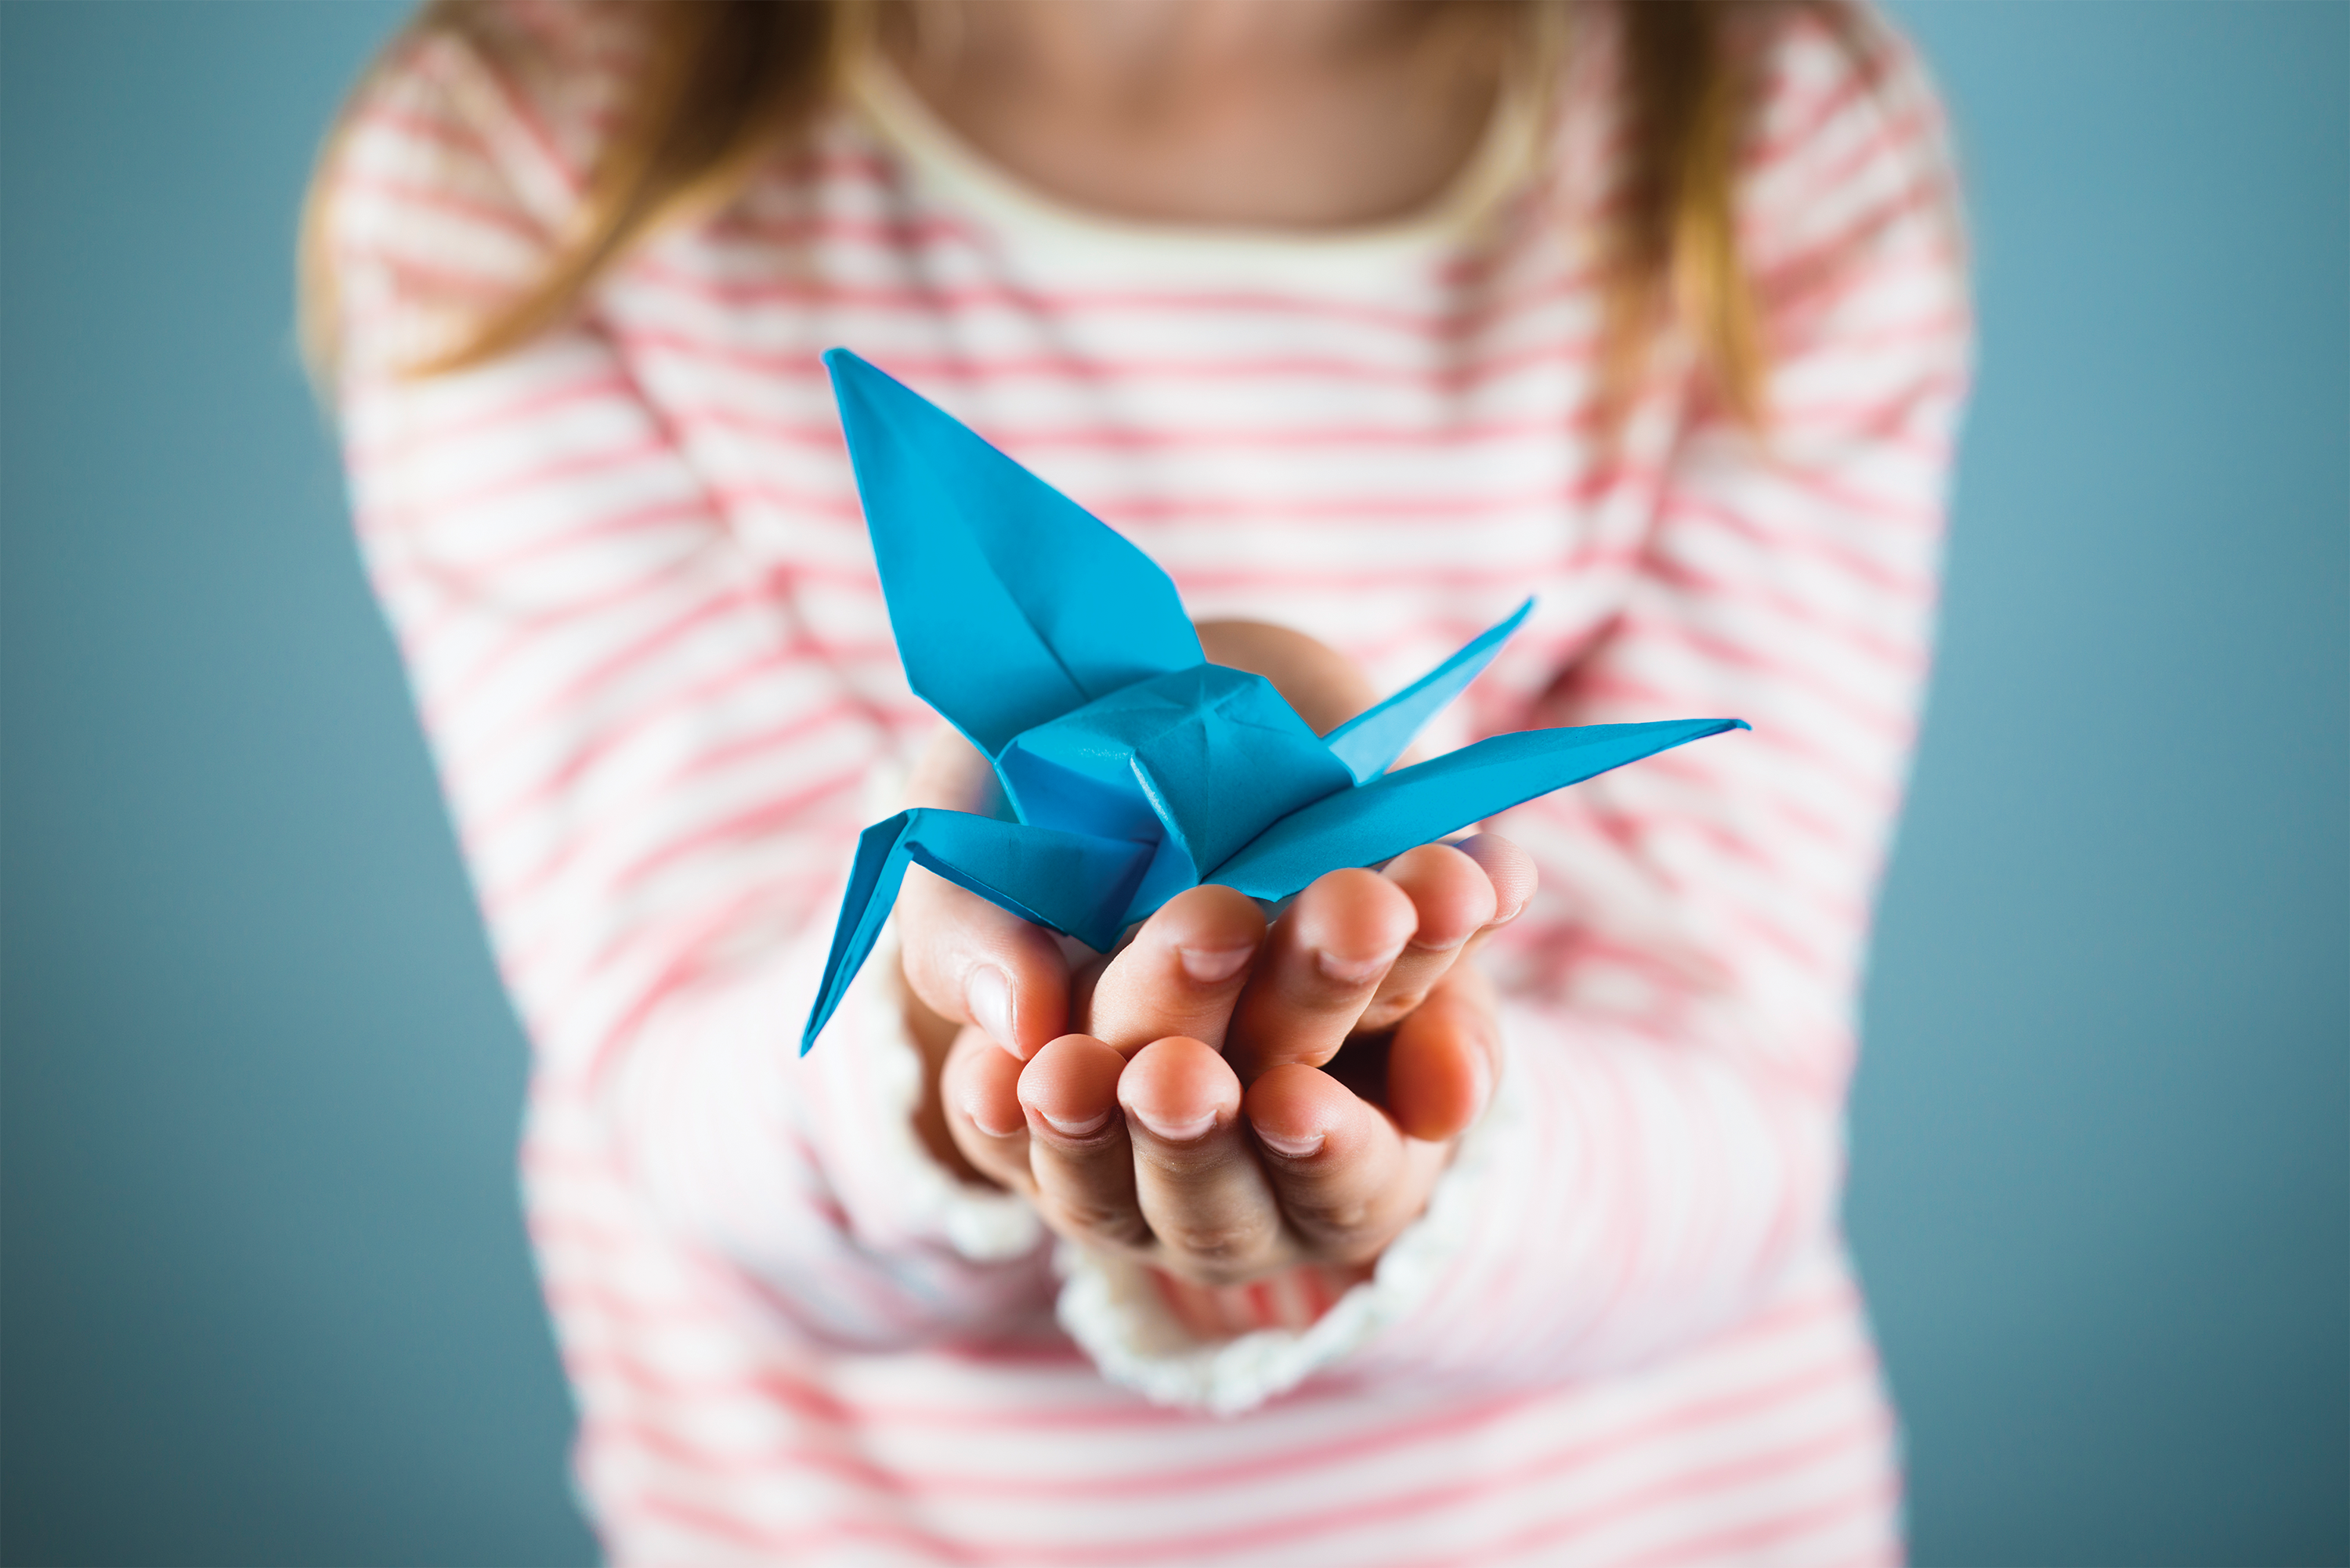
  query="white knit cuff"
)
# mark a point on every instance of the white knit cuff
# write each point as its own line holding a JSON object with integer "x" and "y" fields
{"x": 1110, "y": 1306}
{"x": 873, "y": 1075}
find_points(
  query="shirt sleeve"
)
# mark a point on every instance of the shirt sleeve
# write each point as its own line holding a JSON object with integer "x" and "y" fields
{"x": 1666, "y": 1143}
{"x": 656, "y": 773}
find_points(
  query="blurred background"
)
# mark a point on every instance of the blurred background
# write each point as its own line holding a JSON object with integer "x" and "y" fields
{"x": 267, "y": 1299}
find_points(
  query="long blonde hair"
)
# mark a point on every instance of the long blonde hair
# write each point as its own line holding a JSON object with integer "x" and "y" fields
{"x": 726, "y": 82}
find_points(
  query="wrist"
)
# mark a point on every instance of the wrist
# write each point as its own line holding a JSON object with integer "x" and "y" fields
{"x": 1294, "y": 1298}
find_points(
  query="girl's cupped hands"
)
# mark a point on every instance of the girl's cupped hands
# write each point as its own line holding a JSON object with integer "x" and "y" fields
{"x": 1223, "y": 1097}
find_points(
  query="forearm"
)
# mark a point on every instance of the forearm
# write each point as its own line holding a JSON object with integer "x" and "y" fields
{"x": 1627, "y": 1196}
{"x": 808, "y": 1172}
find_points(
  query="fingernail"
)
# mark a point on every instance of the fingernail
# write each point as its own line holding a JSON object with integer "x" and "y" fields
{"x": 971, "y": 1109}
{"x": 987, "y": 996}
{"x": 1355, "y": 971}
{"x": 1480, "y": 1080}
{"x": 1174, "y": 1131}
{"x": 1291, "y": 1148}
{"x": 1075, "y": 1129}
{"x": 1212, "y": 966}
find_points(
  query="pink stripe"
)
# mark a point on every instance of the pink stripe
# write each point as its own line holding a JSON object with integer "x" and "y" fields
{"x": 1868, "y": 1432}
{"x": 1208, "y": 509}
{"x": 1393, "y": 1507}
{"x": 485, "y": 826}
{"x": 1809, "y": 117}
{"x": 808, "y": 1399}
{"x": 409, "y": 125}
{"x": 648, "y": 451}
{"x": 520, "y": 109}
{"x": 1943, "y": 328}
{"x": 1691, "y": 582}
{"x": 1450, "y": 321}
{"x": 1687, "y": 508}
{"x": 505, "y": 897}
{"x": 608, "y": 387}
{"x": 428, "y": 614}
{"x": 1636, "y": 827}
{"x": 435, "y": 276}
{"x": 820, "y": 431}
{"x": 416, "y": 200}
{"x": 786, "y": 1547}
{"x": 803, "y": 364}
{"x": 689, "y": 944}
{"x": 767, "y": 819}
{"x": 1157, "y": 1481}
{"x": 520, "y": 964}
{"x": 1645, "y": 699}
{"x": 830, "y": 165}
{"x": 1853, "y": 164}
{"x": 1886, "y": 509}
{"x": 440, "y": 705}
{"x": 748, "y": 238}
{"x": 1895, "y": 726}
{"x": 1875, "y": 1498}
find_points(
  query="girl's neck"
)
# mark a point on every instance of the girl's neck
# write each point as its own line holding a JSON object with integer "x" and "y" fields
{"x": 1288, "y": 114}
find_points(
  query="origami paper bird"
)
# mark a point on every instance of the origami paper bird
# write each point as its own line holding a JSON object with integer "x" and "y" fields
{"x": 1136, "y": 769}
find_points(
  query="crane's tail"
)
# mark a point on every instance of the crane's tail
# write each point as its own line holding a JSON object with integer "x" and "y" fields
{"x": 1073, "y": 882}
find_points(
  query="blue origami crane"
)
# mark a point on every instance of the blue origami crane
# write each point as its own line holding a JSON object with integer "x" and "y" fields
{"x": 1135, "y": 768}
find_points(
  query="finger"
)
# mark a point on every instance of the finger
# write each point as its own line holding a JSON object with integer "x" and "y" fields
{"x": 1182, "y": 974}
{"x": 968, "y": 960}
{"x": 1322, "y": 962}
{"x": 1078, "y": 1147}
{"x": 979, "y": 1086}
{"x": 1444, "y": 1058}
{"x": 1347, "y": 1180}
{"x": 974, "y": 963}
{"x": 1452, "y": 900}
{"x": 1510, "y": 870}
{"x": 1200, "y": 1189}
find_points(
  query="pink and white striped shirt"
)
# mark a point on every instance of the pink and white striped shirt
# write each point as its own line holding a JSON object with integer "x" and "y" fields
{"x": 630, "y": 575}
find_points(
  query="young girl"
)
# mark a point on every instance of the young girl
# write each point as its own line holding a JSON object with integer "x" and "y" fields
{"x": 1320, "y": 1241}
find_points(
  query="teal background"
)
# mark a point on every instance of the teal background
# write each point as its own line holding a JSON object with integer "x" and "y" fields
{"x": 266, "y": 1295}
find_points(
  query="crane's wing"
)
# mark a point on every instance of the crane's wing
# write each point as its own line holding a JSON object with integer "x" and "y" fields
{"x": 1012, "y": 604}
{"x": 1073, "y": 882}
{"x": 1373, "y": 738}
{"x": 1378, "y": 821}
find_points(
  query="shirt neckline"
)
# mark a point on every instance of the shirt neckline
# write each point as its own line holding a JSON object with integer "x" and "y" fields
{"x": 970, "y": 180}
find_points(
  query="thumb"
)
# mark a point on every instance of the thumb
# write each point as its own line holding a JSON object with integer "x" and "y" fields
{"x": 974, "y": 963}
{"x": 967, "y": 960}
